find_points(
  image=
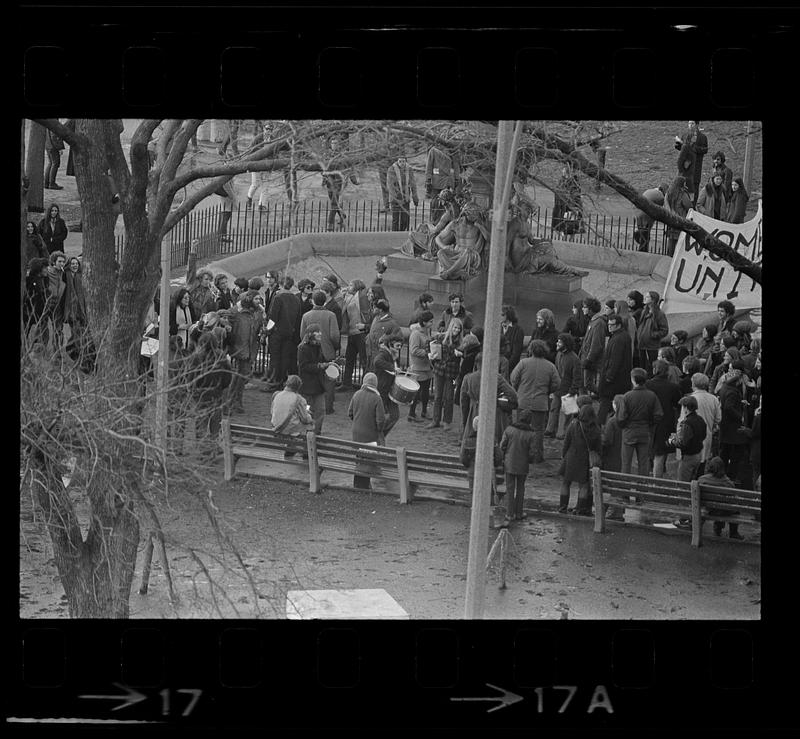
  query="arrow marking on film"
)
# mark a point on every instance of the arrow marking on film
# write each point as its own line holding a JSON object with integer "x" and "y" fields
{"x": 507, "y": 699}
{"x": 130, "y": 699}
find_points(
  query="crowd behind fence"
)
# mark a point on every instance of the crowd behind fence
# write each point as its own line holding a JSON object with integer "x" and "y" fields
{"x": 250, "y": 227}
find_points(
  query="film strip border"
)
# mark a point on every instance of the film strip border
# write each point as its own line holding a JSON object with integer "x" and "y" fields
{"x": 436, "y": 674}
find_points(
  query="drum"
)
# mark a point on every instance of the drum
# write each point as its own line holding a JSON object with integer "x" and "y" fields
{"x": 404, "y": 390}
{"x": 333, "y": 372}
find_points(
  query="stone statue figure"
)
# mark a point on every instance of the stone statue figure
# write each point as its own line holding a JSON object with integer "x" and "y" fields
{"x": 461, "y": 244}
{"x": 526, "y": 254}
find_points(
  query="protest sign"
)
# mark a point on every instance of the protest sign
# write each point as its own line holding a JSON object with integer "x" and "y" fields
{"x": 698, "y": 280}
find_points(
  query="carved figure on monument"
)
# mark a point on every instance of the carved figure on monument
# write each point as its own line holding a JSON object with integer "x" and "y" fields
{"x": 526, "y": 254}
{"x": 422, "y": 242}
{"x": 462, "y": 243}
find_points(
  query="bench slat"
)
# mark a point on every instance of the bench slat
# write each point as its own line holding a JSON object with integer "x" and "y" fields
{"x": 654, "y": 496}
{"x": 621, "y": 477}
{"x": 254, "y": 453}
{"x": 731, "y": 500}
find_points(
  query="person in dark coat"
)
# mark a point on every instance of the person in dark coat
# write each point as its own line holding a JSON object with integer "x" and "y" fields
{"x": 611, "y": 456}
{"x": 284, "y": 311}
{"x": 512, "y": 337}
{"x": 211, "y": 374}
{"x": 615, "y": 368}
{"x": 591, "y": 353}
{"x": 569, "y": 371}
{"x": 724, "y": 171}
{"x": 668, "y": 395}
{"x": 471, "y": 345}
{"x": 643, "y": 221}
{"x": 53, "y": 146}
{"x": 331, "y": 302}
{"x": 576, "y": 325}
{"x": 467, "y": 458}
{"x": 53, "y": 230}
{"x": 652, "y": 327}
{"x": 687, "y": 156}
{"x": 733, "y": 439}
{"x": 243, "y": 346}
{"x": 37, "y": 291}
{"x": 637, "y": 417}
{"x": 518, "y": 446}
{"x": 635, "y": 301}
{"x": 306, "y": 288}
{"x": 737, "y": 205}
{"x": 34, "y": 245}
{"x": 470, "y": 396}
{"x": 456, "y": 310}
{"x": 583, "y": 436}
{"x": 700, "y": 147}
{"x": 545, "y": 330}
{"x": 691, "y": 452}
{"x": 311, "y": 369}
{"x": 368, "y": 416}
{"x": 678, "y": 202}
{"x": 385, "y": 367}
{"x": 224, "y": 297}
{"x": 715, "y": 476}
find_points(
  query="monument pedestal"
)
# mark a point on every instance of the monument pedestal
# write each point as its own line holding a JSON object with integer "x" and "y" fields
{"x": 407, "y": 277}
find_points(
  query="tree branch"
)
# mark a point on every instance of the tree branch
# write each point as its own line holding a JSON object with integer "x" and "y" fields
{"x": 74, "y": 139}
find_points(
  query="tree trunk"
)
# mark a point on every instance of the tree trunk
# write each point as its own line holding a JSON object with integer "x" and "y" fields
{"x": 34, "y": 167}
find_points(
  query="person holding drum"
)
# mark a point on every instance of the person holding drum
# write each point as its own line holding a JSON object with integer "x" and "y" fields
{"x": 330, "y": 342}
{"x": 386, "y": 369}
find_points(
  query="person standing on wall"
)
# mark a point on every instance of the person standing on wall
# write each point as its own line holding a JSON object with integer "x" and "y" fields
{"x": 53, "y": 146}
{"x": 441, "y": 171}
{"x": 402, "y": 189}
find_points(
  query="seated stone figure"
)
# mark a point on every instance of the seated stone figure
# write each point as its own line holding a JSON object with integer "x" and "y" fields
{"x": 526, "y": 254}
{"x": 461, "y": 244}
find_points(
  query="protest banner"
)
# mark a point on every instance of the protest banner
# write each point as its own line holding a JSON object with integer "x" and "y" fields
{"x": 698, "y": 280}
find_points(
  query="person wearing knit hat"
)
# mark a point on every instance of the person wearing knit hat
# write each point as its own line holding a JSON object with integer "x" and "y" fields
{"x": 368, "y": 416}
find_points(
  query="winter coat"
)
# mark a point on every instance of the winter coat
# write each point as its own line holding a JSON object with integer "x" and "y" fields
{"x": 74, "y": 298}
{"x": 712, "y": 202}
{"x": 730, "y": 400}
{"x": 210, "y": 377}
{"x": 519, "y": 448}
{"x": 708, "y": 408}
{"x": 593, "y": 343}
{"x": 615, "y": 367}
{"x": 568, "y": 367}
{"x": 355, "y": 311}
{"x": 534, "y": 378}
{"x": 34, "y": 247}
{"x": 700, "y": 147}
{"x": 668, "y": 396}
{"x": 224, "y": 300}
{"x": 284, "y": 309}
{"x": 287, "y": 404}
{"x": 384, "y": 368}
{"x": 653, "y": 326}
{"x": 727, "y": 178}
{"x": 639, "y": 414}
{"x": 549, "y": 336}
{"x": 686, "y": 164}
{"x": 576, "y": 327}
{"x": 699, "y": 431}
{"x": 36, "y": 294}
{"x": 56, "y": 285}
{"x": 368, "y": 416}
{"x": 309, "y": 359}
{"x": 245, "y": 329}
{"x": 737, "y": 205}
{"x": 440, "y": 170}
{"x": 201, "y": 299}
{"x": 334, "y": 306}
{"x": 401, "y": 184}
{"x": 575, "y": 453}
{"x": 449, "y": 365}
{"x": 380, "y": 325}
{"x": 469, "y": 400}
{"x": 53, "y": 235}
{"x": 330, "y": 330}
{"x": 511, "y": 345}
{"x": 463, "y": 314}
{"x": 612, "y": 445}
{"x": 419, "y": 364}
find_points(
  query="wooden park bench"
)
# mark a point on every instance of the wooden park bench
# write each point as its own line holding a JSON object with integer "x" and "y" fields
{"x": 684, "y": 499}
{"x": 409, "y": 470}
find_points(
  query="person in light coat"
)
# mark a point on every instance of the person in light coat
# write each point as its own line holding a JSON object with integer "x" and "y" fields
{"x": 420, "y": 366}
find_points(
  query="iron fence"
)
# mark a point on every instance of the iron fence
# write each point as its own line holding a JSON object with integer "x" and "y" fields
{"x": 247, "y": 227}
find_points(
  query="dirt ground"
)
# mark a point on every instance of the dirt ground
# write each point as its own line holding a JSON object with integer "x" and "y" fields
{"x": 291, "y": 539}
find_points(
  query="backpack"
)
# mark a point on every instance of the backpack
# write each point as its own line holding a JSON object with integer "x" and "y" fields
{"x": 681, "y": 438}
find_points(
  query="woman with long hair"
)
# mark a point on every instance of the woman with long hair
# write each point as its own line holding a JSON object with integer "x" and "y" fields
{"x": 705, "y": 344}
{"x": 713, "y": 201}
{"x": 622, "y": 309}
{"x": 53, "y": 229}
{"x": 577, "y": 324}
{"x": 738, "y": 202}
{"x": 74, "y": 296}
{"x": 180, "y": 316}
{"x": 582, "y": 437}
{"x": 446, "y": 369}
{"x": 34, "y": 245}
{"x": 677, "y": 202}
{"x": 545, "y": 330}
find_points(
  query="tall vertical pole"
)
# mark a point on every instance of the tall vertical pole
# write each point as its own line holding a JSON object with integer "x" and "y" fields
{"x": 162, "y": 377}
{"x": 484, "y": 464}
{"x": 749, "y": 151}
